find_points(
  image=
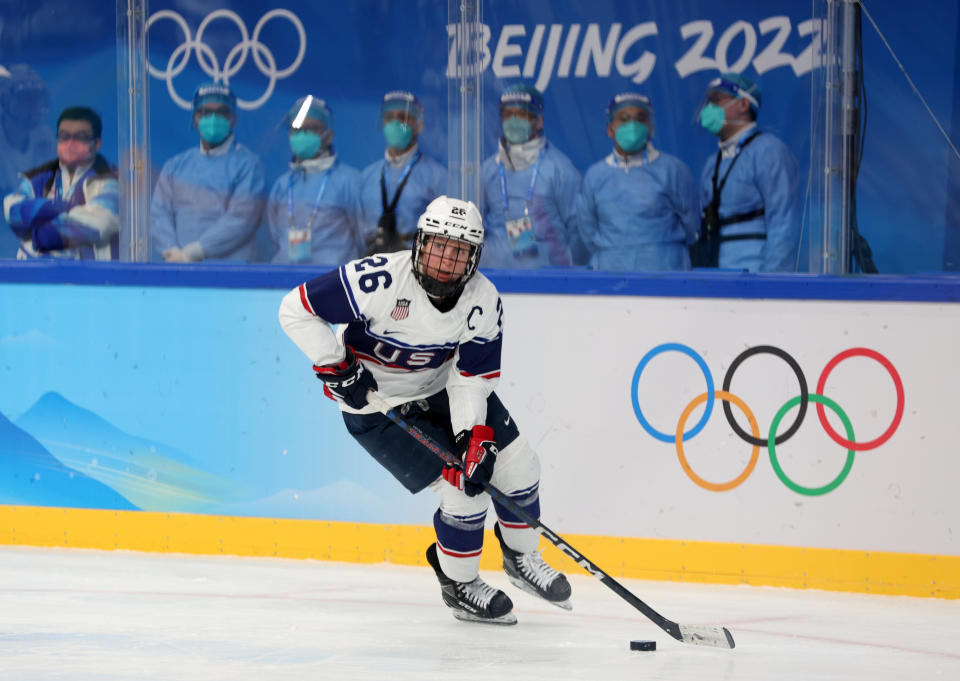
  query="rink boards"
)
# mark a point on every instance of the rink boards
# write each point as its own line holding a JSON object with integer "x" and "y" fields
{"x": 180, "y": 418}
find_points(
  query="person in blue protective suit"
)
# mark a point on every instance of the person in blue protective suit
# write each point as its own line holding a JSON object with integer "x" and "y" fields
{"x": 311, "y": 212}
{"x": 394, "y": 192}
{"x": 750, "y": 189}
{"x": 529, "y": 189}
{"x": 25, "y": 140}
{"x": 208, "y": 201}
{"x": 69, "y": 207}
{"x": 638, "y": 207}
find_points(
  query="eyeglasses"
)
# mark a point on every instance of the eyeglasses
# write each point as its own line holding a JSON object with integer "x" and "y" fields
{"x": 84, "y": 137}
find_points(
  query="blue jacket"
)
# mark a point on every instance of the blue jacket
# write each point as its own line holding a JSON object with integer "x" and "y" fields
{"x": 212, "y": 199}
{"x": 765, "y": 176}
{"x": 639, "y": 213}
{"x": 82, "y": 223}
{"x": 427, "y": 181}
{"x": 552, "y": 209}
{"x": 334, "y": 238}
{"x": 39, "y": 146}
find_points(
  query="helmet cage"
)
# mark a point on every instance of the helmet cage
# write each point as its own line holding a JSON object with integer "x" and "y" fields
{"x": 428, "y": 277}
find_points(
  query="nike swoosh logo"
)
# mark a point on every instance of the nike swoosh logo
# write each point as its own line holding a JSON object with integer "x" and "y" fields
{"x": 389, "y": 332}
{"x": 506, "y": 421}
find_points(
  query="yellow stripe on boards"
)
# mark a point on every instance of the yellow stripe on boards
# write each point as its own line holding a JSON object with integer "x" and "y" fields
{"x": 878, "y": 572}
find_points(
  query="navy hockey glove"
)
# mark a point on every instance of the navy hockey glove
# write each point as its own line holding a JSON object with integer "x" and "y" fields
{"x": 348, "y": 380}
{"x": 479, "y": 454}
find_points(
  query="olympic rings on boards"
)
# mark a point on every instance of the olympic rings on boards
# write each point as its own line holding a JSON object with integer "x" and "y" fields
{"x": 773, "y": 439}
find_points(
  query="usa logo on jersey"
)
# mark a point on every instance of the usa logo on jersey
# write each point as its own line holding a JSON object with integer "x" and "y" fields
{"x": 402, "y": 310}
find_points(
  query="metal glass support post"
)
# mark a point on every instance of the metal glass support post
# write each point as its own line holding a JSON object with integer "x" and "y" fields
{"x": 133, "y": 130}
{"x": 825, "y": 159}
{"x": 834, "y": 122}
{"x": 850, "y": 122}
{"x": 464, "y": 99}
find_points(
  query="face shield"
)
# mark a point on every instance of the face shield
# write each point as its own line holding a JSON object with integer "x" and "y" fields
{"x": 711, "y": 112}
{"x": 214, "y": 107}
{"x": 521, "y": 112}
{"x": 309, "y": 126}
{"x": 630, "y": 121}
{"x": 401, "y": 119}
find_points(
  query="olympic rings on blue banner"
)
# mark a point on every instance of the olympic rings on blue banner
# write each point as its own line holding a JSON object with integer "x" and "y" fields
{"x": 773, "y": 439}
{"x": 249, "y": 45}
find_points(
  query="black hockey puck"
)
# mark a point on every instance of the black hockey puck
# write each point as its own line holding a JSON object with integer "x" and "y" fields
{"x": 643, "y": 645}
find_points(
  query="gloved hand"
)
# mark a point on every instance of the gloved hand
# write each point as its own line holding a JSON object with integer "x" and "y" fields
{"x": 478, "y": 451}
{"x": 348, "y": 380}
{"x": 175, "y": 254}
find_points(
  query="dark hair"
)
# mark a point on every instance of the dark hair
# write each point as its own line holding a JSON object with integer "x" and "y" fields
{"x": 82, "y": 113}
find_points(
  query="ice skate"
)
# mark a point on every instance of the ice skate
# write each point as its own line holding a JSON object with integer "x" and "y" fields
{"x": 528, "y": 572}
{"x": 474, "y": 601}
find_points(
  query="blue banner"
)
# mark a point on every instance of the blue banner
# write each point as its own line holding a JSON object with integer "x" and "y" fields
{"x": 579, "y": 54}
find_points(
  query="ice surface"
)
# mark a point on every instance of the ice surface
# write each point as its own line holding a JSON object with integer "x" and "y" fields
{"x": 104, "y": 616}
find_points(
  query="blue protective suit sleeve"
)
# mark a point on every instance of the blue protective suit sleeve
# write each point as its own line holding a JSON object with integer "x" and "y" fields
{"x": 568, "y": 189}
{"x": 275, "y": 214}
{"x": 587, "y": 222}
{"x": 686, "y": 202}
{"x": 242, "y": 216}
{"x": 779, "y": 185}
{"x": 162, "y": 222}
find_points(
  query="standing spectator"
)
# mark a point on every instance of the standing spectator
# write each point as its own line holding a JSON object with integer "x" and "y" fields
{"x": 750, "y": 191}
{"x": 209, "y": 199}
{"x": 529, "y": 189}
{"x": 25, "y": 142}
{"x": 68, "y": 207}
{"x": 311, "y": 213}
{"x": 394, "y": 192}
{"x": 638, "y": 208}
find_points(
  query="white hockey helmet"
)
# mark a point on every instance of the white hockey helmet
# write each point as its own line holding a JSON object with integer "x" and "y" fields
{"x": 448, "y": 219}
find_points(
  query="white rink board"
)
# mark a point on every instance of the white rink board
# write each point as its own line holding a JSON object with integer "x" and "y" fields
{"x": 567, "y": 380}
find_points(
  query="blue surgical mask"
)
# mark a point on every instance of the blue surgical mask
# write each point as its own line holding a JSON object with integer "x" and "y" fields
{"x": 305, "y": 144}
{"x": 213, "y": 128}
{"x": 631, "y": 136}
{"x": 712, "y": 118}
{"x": 517, "y": 130}
{"x": 397, "y": 134}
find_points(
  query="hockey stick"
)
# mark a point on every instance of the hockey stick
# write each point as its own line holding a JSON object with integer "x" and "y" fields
{"x": 710, "y": 635}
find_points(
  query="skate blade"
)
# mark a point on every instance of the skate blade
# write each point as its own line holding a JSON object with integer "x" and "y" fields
{"x": 523, "y": 586}
{"x": 464, "y": 616}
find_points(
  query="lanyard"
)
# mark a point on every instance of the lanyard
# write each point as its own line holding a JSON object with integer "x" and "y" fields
{"x": 716, "y": 168}
{"x": 316, "y": 202}
{"x": 533, "y": 183}
{"x": 58, "y": 185}
{"x": 400, "y": 185}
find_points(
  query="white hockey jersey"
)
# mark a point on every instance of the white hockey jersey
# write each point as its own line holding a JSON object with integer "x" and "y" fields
{"x": 412, "y": 349}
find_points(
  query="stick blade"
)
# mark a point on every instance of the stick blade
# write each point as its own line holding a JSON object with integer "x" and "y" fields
{"x": 713, "y": 636}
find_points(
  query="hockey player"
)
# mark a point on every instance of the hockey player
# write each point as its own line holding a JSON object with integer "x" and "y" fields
{"x": 424, "y": 329}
